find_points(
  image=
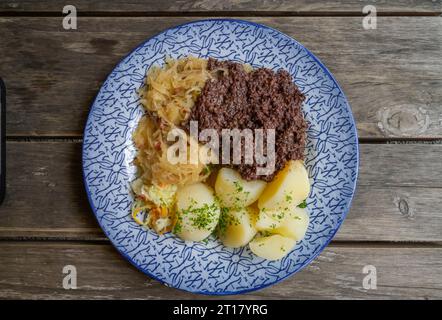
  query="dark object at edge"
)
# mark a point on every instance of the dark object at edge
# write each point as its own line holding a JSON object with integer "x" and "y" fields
{"x": 2, "y": 140}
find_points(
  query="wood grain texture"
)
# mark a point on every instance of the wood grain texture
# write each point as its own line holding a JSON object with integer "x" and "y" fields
{"x": 396, "y": 200}
{"x": 208, "y": 6}
{"x": 391, "y": 76}
{"x": 34, "y": 271}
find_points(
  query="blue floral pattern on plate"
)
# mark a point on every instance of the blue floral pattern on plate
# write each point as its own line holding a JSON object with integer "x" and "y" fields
{"x": 108, "y": 151}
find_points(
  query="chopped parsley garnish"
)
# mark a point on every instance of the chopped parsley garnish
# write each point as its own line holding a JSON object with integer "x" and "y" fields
{"x": 200, "y": 218}
{"x": 265, "y": 233}
{"x": 226, "y": 219}
{"x": 288, "y": 198}
{"x": 178, "y": 225}
{"x": 279, "y": 215}
{"x": 303, "y": 204}
{"x": 238, "y": 186}
{"x": 203, "y": 216}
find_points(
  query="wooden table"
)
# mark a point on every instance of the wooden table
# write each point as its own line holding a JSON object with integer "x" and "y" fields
{"x": 392, "y": 77}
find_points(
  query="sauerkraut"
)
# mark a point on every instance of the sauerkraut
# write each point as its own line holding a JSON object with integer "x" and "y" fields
{"x": 171, "y": 91}
{"x": 167, "y": 96}
{"x": 151, "y": 159}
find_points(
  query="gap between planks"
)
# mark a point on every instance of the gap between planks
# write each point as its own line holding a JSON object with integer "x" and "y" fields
{"x": 218, "y": 14}
{"x": 79, "y": 139}
{"x": 333, "y": 244}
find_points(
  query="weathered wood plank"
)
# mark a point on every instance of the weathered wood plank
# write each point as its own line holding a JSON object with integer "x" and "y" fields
{"x": 34, "y": 271}
{"x": 45, "y": 192}
{"x": 392, "y": 75}
{"x": 247, "y": 6}
{"x": 393, "y": 214}
{"x": 396, "y": 200}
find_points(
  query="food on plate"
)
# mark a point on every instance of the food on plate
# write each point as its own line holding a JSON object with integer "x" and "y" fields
{"x": 197, "y": 212}
{"x": 294, "y": 225}
{"x": 267, "y": 221}
{"x": 150, "y": 138}
{"x": 172, "y": 90}
{"x": 223, "y": 194}
{"x": 288, "y": 189}
{"x": 158, "y": 201}
{"x": 273, "y": 247}
{"x": 233, "y": 191}
{"x": 239, "y": 98}
{"x": 238, "y": 227}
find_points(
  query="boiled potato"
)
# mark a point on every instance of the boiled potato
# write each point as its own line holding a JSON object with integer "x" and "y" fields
{"x": 266, "y": 222}
{"x": 294, "y": 225}
{"x": 197, "y": 212}
{"x": 273, "y": 247}
{"x": 288, "y": 189}
{"x": 239, "y": 227}
{"x": 233, "y": 191}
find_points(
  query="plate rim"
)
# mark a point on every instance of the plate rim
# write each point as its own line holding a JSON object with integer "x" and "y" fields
{"x": 345, "y": 210}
